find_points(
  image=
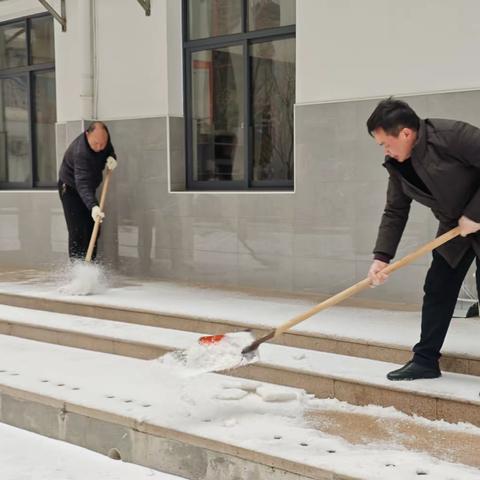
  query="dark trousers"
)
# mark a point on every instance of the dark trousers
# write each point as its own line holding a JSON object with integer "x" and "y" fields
{"x": 79, "y": 222}
{"x": 442, "y": 286}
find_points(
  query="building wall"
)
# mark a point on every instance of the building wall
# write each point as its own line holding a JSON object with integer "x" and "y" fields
{"x": 348, "y": 49}
{"x": 317, "y": 239}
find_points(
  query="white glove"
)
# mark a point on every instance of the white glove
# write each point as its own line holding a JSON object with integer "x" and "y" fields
{"x": 97, "y": 213}
{"x": 111, "y": 163}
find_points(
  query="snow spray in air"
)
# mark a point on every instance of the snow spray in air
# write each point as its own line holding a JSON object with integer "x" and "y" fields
{"x": 84, "y": 278}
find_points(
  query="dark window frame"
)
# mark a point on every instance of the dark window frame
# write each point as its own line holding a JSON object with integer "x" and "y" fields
{"x": 245, "y": 39}
{"x": 29, "y": 70}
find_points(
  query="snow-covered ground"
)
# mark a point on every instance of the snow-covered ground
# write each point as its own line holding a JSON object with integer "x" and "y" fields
{"x": 27, "y": 456}
{"x": 253, "y": 415}
{"x": 373, "y": 326}
{"x": 450, "y": 386}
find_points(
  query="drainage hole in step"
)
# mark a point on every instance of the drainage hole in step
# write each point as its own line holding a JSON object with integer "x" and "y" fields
{"x": 109, "y": 396}
{"x": 331, "y": 451}
{"x": 303, "y": 444}
{"x": 128, "y": 401}
{"x": 2, "y": 371}
{"x": 75, "y": 388}
{"x": 146, "y": 405}
{"x": 421, "y": 472}
{"x": 44, "y": 380}
{"x": 60, "y": 384}
{"x": 114, "y": 454}
{"x": 206, "y": 420}
{"x": 14, "y": 374}
{"x": 277, "y": 437}
{"x": 390, "y": 465}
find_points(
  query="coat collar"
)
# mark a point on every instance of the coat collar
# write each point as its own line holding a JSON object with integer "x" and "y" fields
{"x": 420, "y": 146}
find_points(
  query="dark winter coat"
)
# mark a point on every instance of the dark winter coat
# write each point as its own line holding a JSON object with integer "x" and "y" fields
{"x": 82, "y": 168}
{"x": 446, "y": 157}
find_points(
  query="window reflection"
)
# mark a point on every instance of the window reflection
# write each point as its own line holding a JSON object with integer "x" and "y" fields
{"x": 271, "y": 13}
{"x": 218, "y": 118}
{"x": 13, "y": 46}
{"x": 41, "y": 40}
{"x": 14, "y": 142}
{"x": 27, "y": 103}
{"x": 44, "y": 126}
{"x": 211, "y": 18}
{"x": 273, "y": 85}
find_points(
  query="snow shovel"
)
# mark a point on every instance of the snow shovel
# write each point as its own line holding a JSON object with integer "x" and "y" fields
{"x": 96, "y": 227}
{"x": 249, "y": 352}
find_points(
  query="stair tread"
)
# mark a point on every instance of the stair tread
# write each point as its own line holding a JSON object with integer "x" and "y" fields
{"x": 451, "y": 386}
{"x": 190, "y": 405}
{"x": 396, "y": 329}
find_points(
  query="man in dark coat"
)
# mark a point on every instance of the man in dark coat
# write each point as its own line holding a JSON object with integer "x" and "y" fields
{"x": 79, "y": 177}
{"x": 437, "y": 163}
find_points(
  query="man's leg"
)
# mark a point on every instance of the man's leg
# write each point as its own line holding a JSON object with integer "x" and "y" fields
{"x": 79, "y": 223}
{"x": 442, "y": 286}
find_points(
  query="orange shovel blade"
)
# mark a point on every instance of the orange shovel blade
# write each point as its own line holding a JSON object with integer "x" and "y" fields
{"x": 210, "y": 339}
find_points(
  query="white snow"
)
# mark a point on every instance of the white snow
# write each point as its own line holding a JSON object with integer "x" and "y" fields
{"x": 359, "y": 370}
{"x": 155, "y": 394}
{"x": 372, "y": 326}
{"x": 27, "y": 456}
{"x": 276, "y": 394}
{"x": 231, "y": 394}
{"x": 216, "y": 357}
{"x": 227, "y": 409}
{"x": 83, "y": 278}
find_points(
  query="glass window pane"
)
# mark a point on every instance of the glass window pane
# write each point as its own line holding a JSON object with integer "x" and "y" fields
{"x": 273, "y": 97}
{"x": 41, "y": 40}
{"x": 44, "y": 118}
{"x": 211, "y": 18}
{"x": 270, "y": 13}
{"x": 13, "y": 46}
{"x": 14, "y": 145}
{"x": 217, "y": 114}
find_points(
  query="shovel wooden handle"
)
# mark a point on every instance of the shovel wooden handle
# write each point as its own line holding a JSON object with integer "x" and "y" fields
{"x": 358, "y": 287}
{"x": 96, "y": 227}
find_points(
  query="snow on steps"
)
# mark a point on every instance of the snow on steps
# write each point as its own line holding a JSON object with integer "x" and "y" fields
{"x": 360, "y": 332}
{"x": 149, "y": 415}
{"x": 454, "y": 397}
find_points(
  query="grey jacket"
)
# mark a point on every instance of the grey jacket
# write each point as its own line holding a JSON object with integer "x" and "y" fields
{"x": 82, "y": 168}
{"x": 446, "y": 157}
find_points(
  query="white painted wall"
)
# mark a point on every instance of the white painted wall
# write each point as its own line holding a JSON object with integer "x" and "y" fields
{"x": 355, "y": 49}
{"x": 174, "y": 55}
{"x": 131, "y": 60}
{"x": 137, "y": 60}
{"x": 67, "y": 66}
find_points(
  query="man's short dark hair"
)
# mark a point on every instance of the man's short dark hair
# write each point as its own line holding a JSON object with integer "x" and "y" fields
{"x": 392, "y": 115}
{"x": 97, "y": 124}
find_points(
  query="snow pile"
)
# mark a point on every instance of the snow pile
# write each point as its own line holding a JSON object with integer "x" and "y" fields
{"x": 84, "y": 278}
{"x": 214, "y": 357}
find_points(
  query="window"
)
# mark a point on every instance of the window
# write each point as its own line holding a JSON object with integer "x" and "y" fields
{"x": 239, "y": 58}
{"x": 27, "y": 103}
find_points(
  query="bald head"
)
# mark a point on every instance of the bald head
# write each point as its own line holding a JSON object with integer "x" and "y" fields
{"x": 97, "y": 136}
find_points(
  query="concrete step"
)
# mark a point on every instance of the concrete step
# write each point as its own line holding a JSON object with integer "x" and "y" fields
{"x": 133, "y": 409}
{"x": 381, "y": 334}
{"x": 454, "y": 397}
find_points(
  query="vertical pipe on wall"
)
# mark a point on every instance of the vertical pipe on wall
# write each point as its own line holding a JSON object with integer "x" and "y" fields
{"x": 86, "y": 64}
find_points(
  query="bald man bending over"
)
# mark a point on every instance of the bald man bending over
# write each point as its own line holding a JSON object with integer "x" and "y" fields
{"x": 79, "y": 177}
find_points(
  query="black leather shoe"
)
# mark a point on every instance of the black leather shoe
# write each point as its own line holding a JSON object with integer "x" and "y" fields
{"x": 413, "y": 371}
